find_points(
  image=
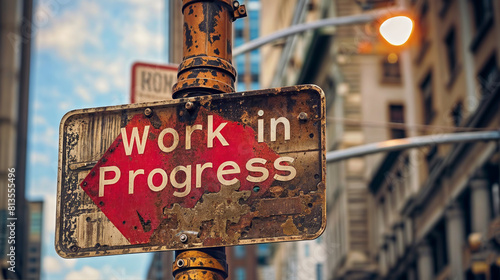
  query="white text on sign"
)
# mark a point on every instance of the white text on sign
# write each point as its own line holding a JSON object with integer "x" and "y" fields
{"x": 226, "y": 172}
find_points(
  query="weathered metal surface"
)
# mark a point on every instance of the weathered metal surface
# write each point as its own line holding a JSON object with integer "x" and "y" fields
{"x": 199, "y": 264}
{"x": 206, "y": 65}
{"x": 244, "y": 168}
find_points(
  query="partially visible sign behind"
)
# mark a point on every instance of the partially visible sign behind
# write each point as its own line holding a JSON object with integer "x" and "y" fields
{"x": 209, "y": 171}
{"x": 152, "y": 82}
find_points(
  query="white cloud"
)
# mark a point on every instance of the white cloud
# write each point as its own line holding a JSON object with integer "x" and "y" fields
{"x": 139, "y": 29}
{"x": 39, "y": 158}
{"x": 102, "y": 85}
{"x": 70, "y": 32}
{"x": 37, "y": 105}
{"x": 144, "y": 33}
{"x": 109, "y": 72}
{"x": 141, "y": 39}
{"x": 48, "y": 137}
{"x": 65, "y": 105}
{"x": 83, "y": 93}
{"x": 69, "y": 263}
{"x": 51, "y": 264}
{"x": 86, "y": 273}
{"x": 39, "y": 120}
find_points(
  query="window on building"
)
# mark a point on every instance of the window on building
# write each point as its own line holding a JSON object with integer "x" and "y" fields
{"x": 437, "y": 241}
{"x": 495, "y": 197}
{"x": 263, "y": 253}
{"x": 375, "y": 4}
{"x": 238, "y": 33}
{"x": 254, "y": 24}
{"x": 307, "y": 252}
{"x": 240, "y": 252}
{"x": 397, "y": 115}
{"x": 427, "y": 99}
{"x": 431, "y": 157}
{"x": 388, "y": 209}
{"x": 482, "y": 12}
{"x": 241, "y": 273}
{"x": 254, "y": 77}
{"x": 489, "y": 77}
{"x": 382, "y": 215}
{"x": 465, "y": 201}
{"x": 451, "y": 52}
{"x": 445, "y": 4}
{"x": 319, "y": 240}
{"x": 390, "y": 69}
{"x": 423, "y": 27}
{"x": 494, "y": 182}
{"x": 392, "y": 198}
{"x": 319, "y": 271}
{"x": 457, "y": 113}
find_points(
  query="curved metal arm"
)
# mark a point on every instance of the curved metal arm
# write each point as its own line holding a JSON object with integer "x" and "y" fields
{"x": 356, "y": 19}
{"x": 412, "y": 142}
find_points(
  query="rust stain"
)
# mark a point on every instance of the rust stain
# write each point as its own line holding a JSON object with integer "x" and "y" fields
{"x": 289, "y": 227}
{"x": 211, "y": 215}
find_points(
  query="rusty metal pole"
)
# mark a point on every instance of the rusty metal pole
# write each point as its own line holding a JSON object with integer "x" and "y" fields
{"x": 206, "y": 69}
{"x": 207, "y": 51}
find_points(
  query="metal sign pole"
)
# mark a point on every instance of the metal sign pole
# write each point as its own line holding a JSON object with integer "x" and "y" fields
{"x": 206, "y": 69}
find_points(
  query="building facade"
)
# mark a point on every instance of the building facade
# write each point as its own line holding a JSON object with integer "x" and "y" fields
{"x": 244, "y": 30}
{"x": 161, "y": 266}
{"x": 32, "y": 268}
{"x": 436, "y": 209}
{"x": 428, "y": 213}
{"x": 15, "y": 48}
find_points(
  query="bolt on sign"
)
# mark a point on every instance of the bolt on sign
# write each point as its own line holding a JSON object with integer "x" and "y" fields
{"x": 152, "y": 82}
{"x": 218, "y": 170}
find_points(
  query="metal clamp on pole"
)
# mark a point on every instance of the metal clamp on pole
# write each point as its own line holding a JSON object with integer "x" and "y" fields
{"x": 206, "y": 69}
{"x": 200, "y": 264}
{"x": 207, "y": 52}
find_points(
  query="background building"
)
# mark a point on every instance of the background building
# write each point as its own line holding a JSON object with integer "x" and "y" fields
{"x": 436, "y": 211}
{"x": 426, "y": 213}
{"x": 244, "y": 30}
{"x": 15, "y": 48}
{"x": 242, "y": 262}
{"x": 161, "y": 266}
{"x": 32, "y": 268}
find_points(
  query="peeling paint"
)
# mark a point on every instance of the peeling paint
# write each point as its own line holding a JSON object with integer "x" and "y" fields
{"x": 289, "y": 227}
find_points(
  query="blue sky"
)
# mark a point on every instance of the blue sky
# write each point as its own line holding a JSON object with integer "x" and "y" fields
{"x": 82, "y": 55}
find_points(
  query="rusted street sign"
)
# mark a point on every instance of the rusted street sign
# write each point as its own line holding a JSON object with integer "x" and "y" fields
{"x": 152, "y": 82}
{"x": 217, "y": 170}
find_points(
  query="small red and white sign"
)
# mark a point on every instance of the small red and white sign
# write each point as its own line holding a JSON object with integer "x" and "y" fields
{"x": 152, "y": 82}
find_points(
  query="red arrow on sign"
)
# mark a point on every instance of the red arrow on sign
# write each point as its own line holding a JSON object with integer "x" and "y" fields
{"x": 158, "y": 162}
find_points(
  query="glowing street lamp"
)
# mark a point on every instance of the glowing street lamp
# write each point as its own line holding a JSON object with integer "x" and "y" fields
{"x": 396, "y": 30}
